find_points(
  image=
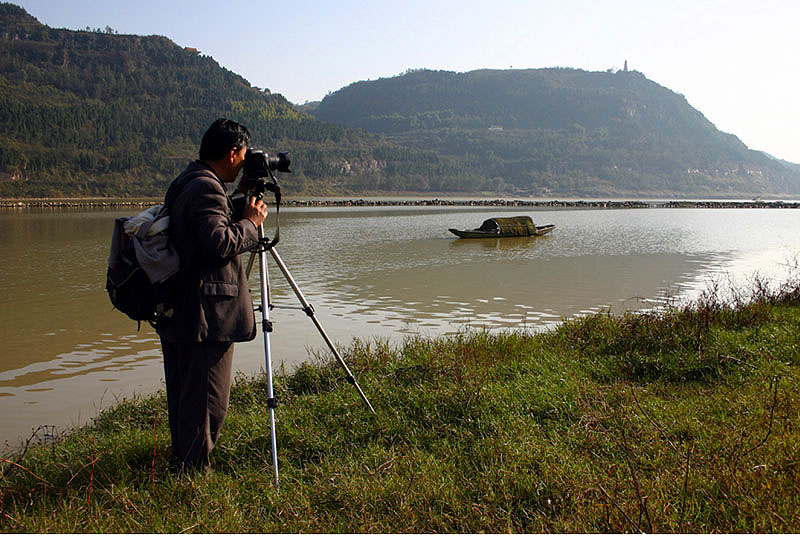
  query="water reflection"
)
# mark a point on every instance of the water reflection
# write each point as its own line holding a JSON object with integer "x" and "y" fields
{"x": 369, "y": 272}
{"x": 112, "y": 355}
{"x": 519, "y": 293}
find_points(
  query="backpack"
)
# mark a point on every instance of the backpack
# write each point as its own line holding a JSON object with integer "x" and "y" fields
{"x": 142, "y": 271}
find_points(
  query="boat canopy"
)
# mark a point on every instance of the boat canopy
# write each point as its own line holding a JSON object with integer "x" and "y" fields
{"x": 515, "y": 226}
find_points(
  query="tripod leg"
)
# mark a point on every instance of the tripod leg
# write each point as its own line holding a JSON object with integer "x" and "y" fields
{"x": 250, "y": 264}
{"x": 310, "y": 312}
{"x": 267, "y": 329}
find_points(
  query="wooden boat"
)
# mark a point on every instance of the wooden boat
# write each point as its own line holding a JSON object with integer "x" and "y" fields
{"x": 504, "y": 227}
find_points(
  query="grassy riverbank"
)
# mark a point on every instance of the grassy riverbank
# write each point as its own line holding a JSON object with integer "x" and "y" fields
{"x": 687, "y": 420}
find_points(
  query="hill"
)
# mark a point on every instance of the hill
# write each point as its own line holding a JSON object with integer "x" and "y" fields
{"x": 561, "y": 130}
{"x": 97, "y": 113}
{"x": 94, "y": 113}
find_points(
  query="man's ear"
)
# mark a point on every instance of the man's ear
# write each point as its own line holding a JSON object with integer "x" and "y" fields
{"x": 231, "y": 155}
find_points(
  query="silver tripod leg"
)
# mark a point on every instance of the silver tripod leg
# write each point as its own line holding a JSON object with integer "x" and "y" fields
{"x": 267, "y": 329}
{"x": 309, "y": 310}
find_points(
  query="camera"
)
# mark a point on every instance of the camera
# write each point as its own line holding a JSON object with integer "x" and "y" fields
{"x": 258, "y": 164}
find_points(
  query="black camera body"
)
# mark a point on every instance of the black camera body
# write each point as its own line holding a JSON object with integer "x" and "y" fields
{"x": 258, "y": 166}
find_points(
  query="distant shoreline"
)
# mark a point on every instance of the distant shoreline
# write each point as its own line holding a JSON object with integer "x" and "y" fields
{"x": 385, "y": 202}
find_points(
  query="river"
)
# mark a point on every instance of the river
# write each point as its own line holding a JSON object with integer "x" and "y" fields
{"x": 370, "y": 272}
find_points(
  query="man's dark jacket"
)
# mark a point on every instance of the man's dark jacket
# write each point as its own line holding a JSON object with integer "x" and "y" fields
{"x": 213, "y": 298}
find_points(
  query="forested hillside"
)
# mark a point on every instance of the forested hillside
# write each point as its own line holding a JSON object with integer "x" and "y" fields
{"x": 561, "y": 130}
{"x": 96, "y": 113}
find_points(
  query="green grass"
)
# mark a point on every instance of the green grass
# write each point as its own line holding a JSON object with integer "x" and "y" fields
{"x": 683, "y": 420}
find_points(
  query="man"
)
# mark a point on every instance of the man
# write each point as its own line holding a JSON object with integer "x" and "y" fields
{"x": 213, "y": 308}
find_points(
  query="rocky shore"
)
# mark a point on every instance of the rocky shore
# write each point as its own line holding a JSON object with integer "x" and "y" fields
{"x": 126, "y": 203}
{"x": 542, "y": 203}
{"x": 77, "y": 203}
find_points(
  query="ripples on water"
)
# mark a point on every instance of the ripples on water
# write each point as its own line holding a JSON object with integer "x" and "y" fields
{"x": 387, "y": 272}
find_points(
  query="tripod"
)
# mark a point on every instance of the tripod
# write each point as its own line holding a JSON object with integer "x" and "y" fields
{"x": 266, "y": 324}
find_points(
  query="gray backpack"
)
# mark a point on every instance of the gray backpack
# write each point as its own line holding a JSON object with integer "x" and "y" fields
{"x": 143, "y": 267}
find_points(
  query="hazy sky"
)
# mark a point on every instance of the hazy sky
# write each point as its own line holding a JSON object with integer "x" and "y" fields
{"x": 737, "y": 61}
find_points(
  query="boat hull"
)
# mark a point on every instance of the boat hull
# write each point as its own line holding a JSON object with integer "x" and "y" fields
{"x": 540, "y": 231}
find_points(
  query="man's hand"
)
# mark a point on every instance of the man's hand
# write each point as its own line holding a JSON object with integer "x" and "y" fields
{"x": 255, "y": 210}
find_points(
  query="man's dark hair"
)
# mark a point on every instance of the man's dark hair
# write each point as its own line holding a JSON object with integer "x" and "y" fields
{"x": 222, "y": 136}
